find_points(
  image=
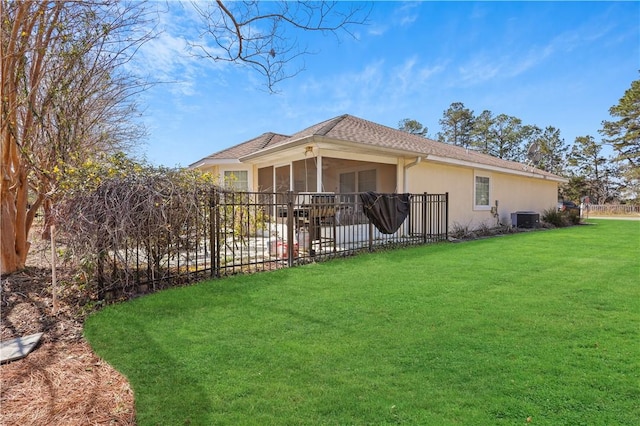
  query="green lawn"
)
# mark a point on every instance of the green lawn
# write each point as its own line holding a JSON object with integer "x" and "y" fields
{"x": 540, "y": 325}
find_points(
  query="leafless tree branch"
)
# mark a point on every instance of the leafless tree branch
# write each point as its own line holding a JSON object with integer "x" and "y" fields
{"x": 262, "y": 35}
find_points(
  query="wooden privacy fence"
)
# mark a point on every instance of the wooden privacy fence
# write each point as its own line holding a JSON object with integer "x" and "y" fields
{"x": 233, "y": 232}
{"x": 611, "y": 209}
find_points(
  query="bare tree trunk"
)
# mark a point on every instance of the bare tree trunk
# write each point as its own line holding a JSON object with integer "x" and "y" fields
{"x": 9, "y": 256}
{"x": 14, "y": 226}
{"x": 22, "y": 224}
{"x": 19, "y": 79}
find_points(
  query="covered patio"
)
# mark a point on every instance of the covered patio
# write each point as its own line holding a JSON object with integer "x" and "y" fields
{"x": 328, "y": 175}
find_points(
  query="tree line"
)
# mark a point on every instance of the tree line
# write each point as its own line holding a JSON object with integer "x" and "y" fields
{"x": 591, "y": 173}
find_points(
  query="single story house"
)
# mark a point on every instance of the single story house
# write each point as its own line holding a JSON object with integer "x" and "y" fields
{"x": 348, "y": 154}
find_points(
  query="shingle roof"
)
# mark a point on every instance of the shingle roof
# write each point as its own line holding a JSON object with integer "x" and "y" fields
{"x": 357, "y": 130}
{"x": 249, "y": 147}
{"x": 353, "y": 129}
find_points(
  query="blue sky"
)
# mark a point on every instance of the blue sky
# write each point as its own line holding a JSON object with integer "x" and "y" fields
{"x": 561, "y": 64}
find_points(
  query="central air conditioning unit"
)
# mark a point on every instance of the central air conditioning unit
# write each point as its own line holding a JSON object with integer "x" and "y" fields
{"x": 525, "y": 219}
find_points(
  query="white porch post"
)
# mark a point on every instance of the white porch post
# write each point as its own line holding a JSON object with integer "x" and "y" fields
{"x": 319, "y": 185}
{"x": 291, "y": 176}
{"x": 275, "y": 180}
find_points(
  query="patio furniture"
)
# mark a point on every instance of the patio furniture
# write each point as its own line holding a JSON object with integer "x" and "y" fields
{"x": 319, "y": 214}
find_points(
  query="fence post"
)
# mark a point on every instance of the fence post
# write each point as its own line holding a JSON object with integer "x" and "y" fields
{"x": 370, "y": 235}
{"x": 213, "y": 234}
{"x": 424, "y": 218}
{"x": 290, "y": 224}
{"x": 446, "y": 215}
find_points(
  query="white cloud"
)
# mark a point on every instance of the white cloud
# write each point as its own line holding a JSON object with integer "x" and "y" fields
{"x": 480, "y": 69}
{"x": 485, "y": 65}
{"x": 167, "y": 57}
{"x": 410, "y": 76}
{"x": 427, "y": 73}
{"x": 377, "y": 30}
{"x": 402, "y": 16}
{"x": 406, "y": 14}
{"x": 377, "y": 90}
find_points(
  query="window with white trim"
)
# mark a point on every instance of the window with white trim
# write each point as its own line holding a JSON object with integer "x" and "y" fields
{"x": 482, "y": 193}
{"x": 237, "y": 180}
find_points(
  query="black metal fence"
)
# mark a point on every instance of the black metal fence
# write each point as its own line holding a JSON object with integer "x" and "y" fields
{"x": 234, "y": 232}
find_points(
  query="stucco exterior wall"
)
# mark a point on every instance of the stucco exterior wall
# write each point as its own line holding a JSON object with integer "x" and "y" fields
{"x": 209, "y": 169}
{"x": 513, "y": 193}
{"x": 218, "y": 171}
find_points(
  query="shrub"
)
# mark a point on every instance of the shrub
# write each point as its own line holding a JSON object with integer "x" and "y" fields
{"x": 573, "y": 218}
{"x": 560, "y": 219}
{"x": 113, "y": 206}
{"x": 460, "y": 232}
{"x": 554, "y": 217}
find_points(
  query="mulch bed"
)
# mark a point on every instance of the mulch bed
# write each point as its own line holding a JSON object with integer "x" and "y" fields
{"x": 62, "y": 382}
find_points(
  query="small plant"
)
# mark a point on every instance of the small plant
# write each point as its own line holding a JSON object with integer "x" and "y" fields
{"x": 572, "y": 217}
{"x": 460, "y": 231}
{"x": 240, "y": 214}
{"x": 554, "y": 217}
{"x": 464, "y": 232}
{"x": 560, "y": 219}
{"x": 485, "y": 230}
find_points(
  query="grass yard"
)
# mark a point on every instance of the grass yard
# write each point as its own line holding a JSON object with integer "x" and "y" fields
{"x": 539, "y": 327}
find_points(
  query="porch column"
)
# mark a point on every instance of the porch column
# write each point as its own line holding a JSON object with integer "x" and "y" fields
{"x": 273, "y": 176}
{"x": 291, "y": 177}
{"x": 319, "y": 186}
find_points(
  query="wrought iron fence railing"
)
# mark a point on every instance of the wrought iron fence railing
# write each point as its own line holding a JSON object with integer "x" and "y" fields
{"x": 234, "y": 232}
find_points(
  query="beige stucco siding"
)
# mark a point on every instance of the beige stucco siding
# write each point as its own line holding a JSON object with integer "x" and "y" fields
{"x": 513, "y": 193}
{"x": 387, "y": 178}
{"x": 524, "y": 194}
{"x": 209, "y": 169}
{"x": 218, "y": 171}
